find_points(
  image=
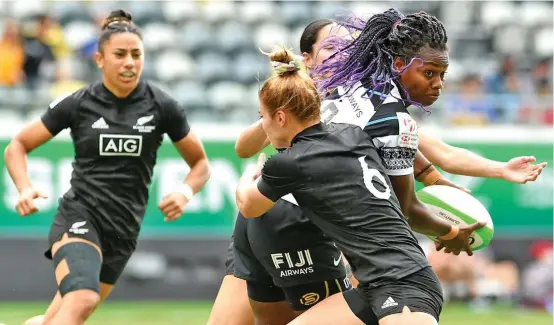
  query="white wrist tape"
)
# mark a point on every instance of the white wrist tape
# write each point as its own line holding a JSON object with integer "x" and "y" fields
{"x": 186, "y": 190}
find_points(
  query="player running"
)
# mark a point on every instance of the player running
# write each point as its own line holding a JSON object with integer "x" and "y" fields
{"x": 117, "y": 126}
{"x": 316, "y": 48}
{"x": 337, "y": 177}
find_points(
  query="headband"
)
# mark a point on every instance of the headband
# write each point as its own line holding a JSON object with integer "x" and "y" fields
{"x": 280, "y": 67}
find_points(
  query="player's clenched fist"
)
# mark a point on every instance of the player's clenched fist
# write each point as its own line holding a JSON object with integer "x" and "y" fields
{"x": 26, "y": 202}
{"x": 173, "y": 205}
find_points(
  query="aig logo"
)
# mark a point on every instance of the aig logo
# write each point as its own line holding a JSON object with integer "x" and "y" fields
{"x": 120, "y": 145}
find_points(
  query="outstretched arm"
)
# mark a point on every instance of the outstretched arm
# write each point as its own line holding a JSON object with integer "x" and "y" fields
{"x": 464, "y": 162}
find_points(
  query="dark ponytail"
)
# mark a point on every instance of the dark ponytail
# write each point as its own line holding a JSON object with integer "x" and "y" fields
{"x": 309, "y": 36}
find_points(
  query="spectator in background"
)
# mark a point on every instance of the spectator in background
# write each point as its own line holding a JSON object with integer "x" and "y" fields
{"x": 471, "y": 105}
{"x": 11, "y": 54}
{"x": 505, "y": 90}
{"x": 65, "y": 82}
{"x": 496, "y": 84}
{"x": 37, "y": 51}
{"x": 538, "y": 107}
{"x": 538, "y": 285}
{"x": 54, "y": 37}
{"x": 542, "y": 76}
{"x": 88, "y": 51}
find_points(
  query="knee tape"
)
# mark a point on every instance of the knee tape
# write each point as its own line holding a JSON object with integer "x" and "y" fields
{"x": 84, "y": 263}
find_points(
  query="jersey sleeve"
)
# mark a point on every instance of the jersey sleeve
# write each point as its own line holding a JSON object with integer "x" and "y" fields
{"x": 60, "y": 113}
{"x": 176, "y": 122}
{"x": 279, "y": 176}
{"x": 396, "y": 139}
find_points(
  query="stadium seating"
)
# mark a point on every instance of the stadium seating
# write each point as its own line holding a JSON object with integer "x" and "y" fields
{"x": 212, "y": 47}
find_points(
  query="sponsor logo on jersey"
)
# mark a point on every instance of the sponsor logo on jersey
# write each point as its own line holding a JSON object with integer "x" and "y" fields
{"x": 347, "y": 282}
{"x": 309, "y": 299}
{"x": 297, "y": 264}
{"x": 100, "y": 124}
{"x": 389, "y": 303}
{"x": 120, "y": 145}
{"x": 408, "y": 131}
{"x": 141, "y": 127}
{"x": 77, "y": 228}
{"x": 337, "y": 261}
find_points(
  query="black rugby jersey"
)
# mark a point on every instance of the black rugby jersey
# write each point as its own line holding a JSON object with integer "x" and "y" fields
{"x": 337, "y": 177}
{"x": 116, "y": 142}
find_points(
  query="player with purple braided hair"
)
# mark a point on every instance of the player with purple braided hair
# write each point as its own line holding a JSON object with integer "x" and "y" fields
{"x": 390, "y": 47}
{"x": 391, "y": 62}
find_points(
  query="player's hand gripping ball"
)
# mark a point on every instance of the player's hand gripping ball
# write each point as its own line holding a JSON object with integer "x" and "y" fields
{"x": 26, "y": 202}
{"x": 447, "y": 182}
{"x": 173, "y": 206}
{"x": 463, "y": 210}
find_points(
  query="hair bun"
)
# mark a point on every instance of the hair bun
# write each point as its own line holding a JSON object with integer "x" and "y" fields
{"x": 117, "y": 16}
{"x": 283, "y": 60}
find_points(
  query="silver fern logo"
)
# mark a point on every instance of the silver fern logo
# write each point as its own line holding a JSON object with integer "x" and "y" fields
{"x": 141, "y": 127}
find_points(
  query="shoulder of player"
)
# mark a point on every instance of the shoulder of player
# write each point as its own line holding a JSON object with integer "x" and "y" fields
{"x": 391, "y": 118}
{"x": 71, "y": 99}
{"x": 160, "y": 96}
{"x": 285, "y": 161}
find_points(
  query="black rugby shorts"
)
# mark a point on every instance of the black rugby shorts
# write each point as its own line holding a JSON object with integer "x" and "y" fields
{"x": 76, "y": 220}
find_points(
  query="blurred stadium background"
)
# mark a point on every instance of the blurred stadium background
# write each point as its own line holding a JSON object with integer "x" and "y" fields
{"x": 497, "y": 102}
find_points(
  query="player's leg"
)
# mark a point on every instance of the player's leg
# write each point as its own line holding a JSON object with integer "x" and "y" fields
{"x": 231, "y": 306}
{"x": 331, "y": 311}
{"x": 77, "y": 269}
{"x": 105, "y": 290}
{"x": 266, "y": 300}
{"x": 268, "y": 304}
{"x": 407, "y": 317}
{"x": 300, "y": 259}
{"x": 350, "y": 308}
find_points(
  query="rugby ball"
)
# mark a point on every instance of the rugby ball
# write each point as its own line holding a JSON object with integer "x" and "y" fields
{"x": 459, "y": 208}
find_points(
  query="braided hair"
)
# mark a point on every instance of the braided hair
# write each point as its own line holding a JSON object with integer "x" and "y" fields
{"x": 119, "y": 21}
{"x": 369, "y": 57}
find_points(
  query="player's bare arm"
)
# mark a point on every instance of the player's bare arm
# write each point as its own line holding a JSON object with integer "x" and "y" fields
{"x": 250, "y": 201}
{"x": 15, "y": 155}
{"x": 192, "y": 151}
{"x": 464, "y": 162}
{"x": 251, "y": 141}
{"x": 423, "y": 221}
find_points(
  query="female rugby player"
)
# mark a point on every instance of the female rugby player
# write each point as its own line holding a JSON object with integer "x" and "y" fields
{"x": 117, "y": 126}
{"x": 315, "y": 49}
{"x": 337, "y": 177}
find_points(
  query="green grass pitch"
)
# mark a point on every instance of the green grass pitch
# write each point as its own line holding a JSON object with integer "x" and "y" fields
{"x": 196, "y": 313}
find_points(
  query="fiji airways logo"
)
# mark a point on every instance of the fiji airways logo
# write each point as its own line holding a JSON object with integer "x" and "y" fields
{"x": 120, "y": 145}
{"x": 141, "y": 127}
{"x": 300, "y": 265}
